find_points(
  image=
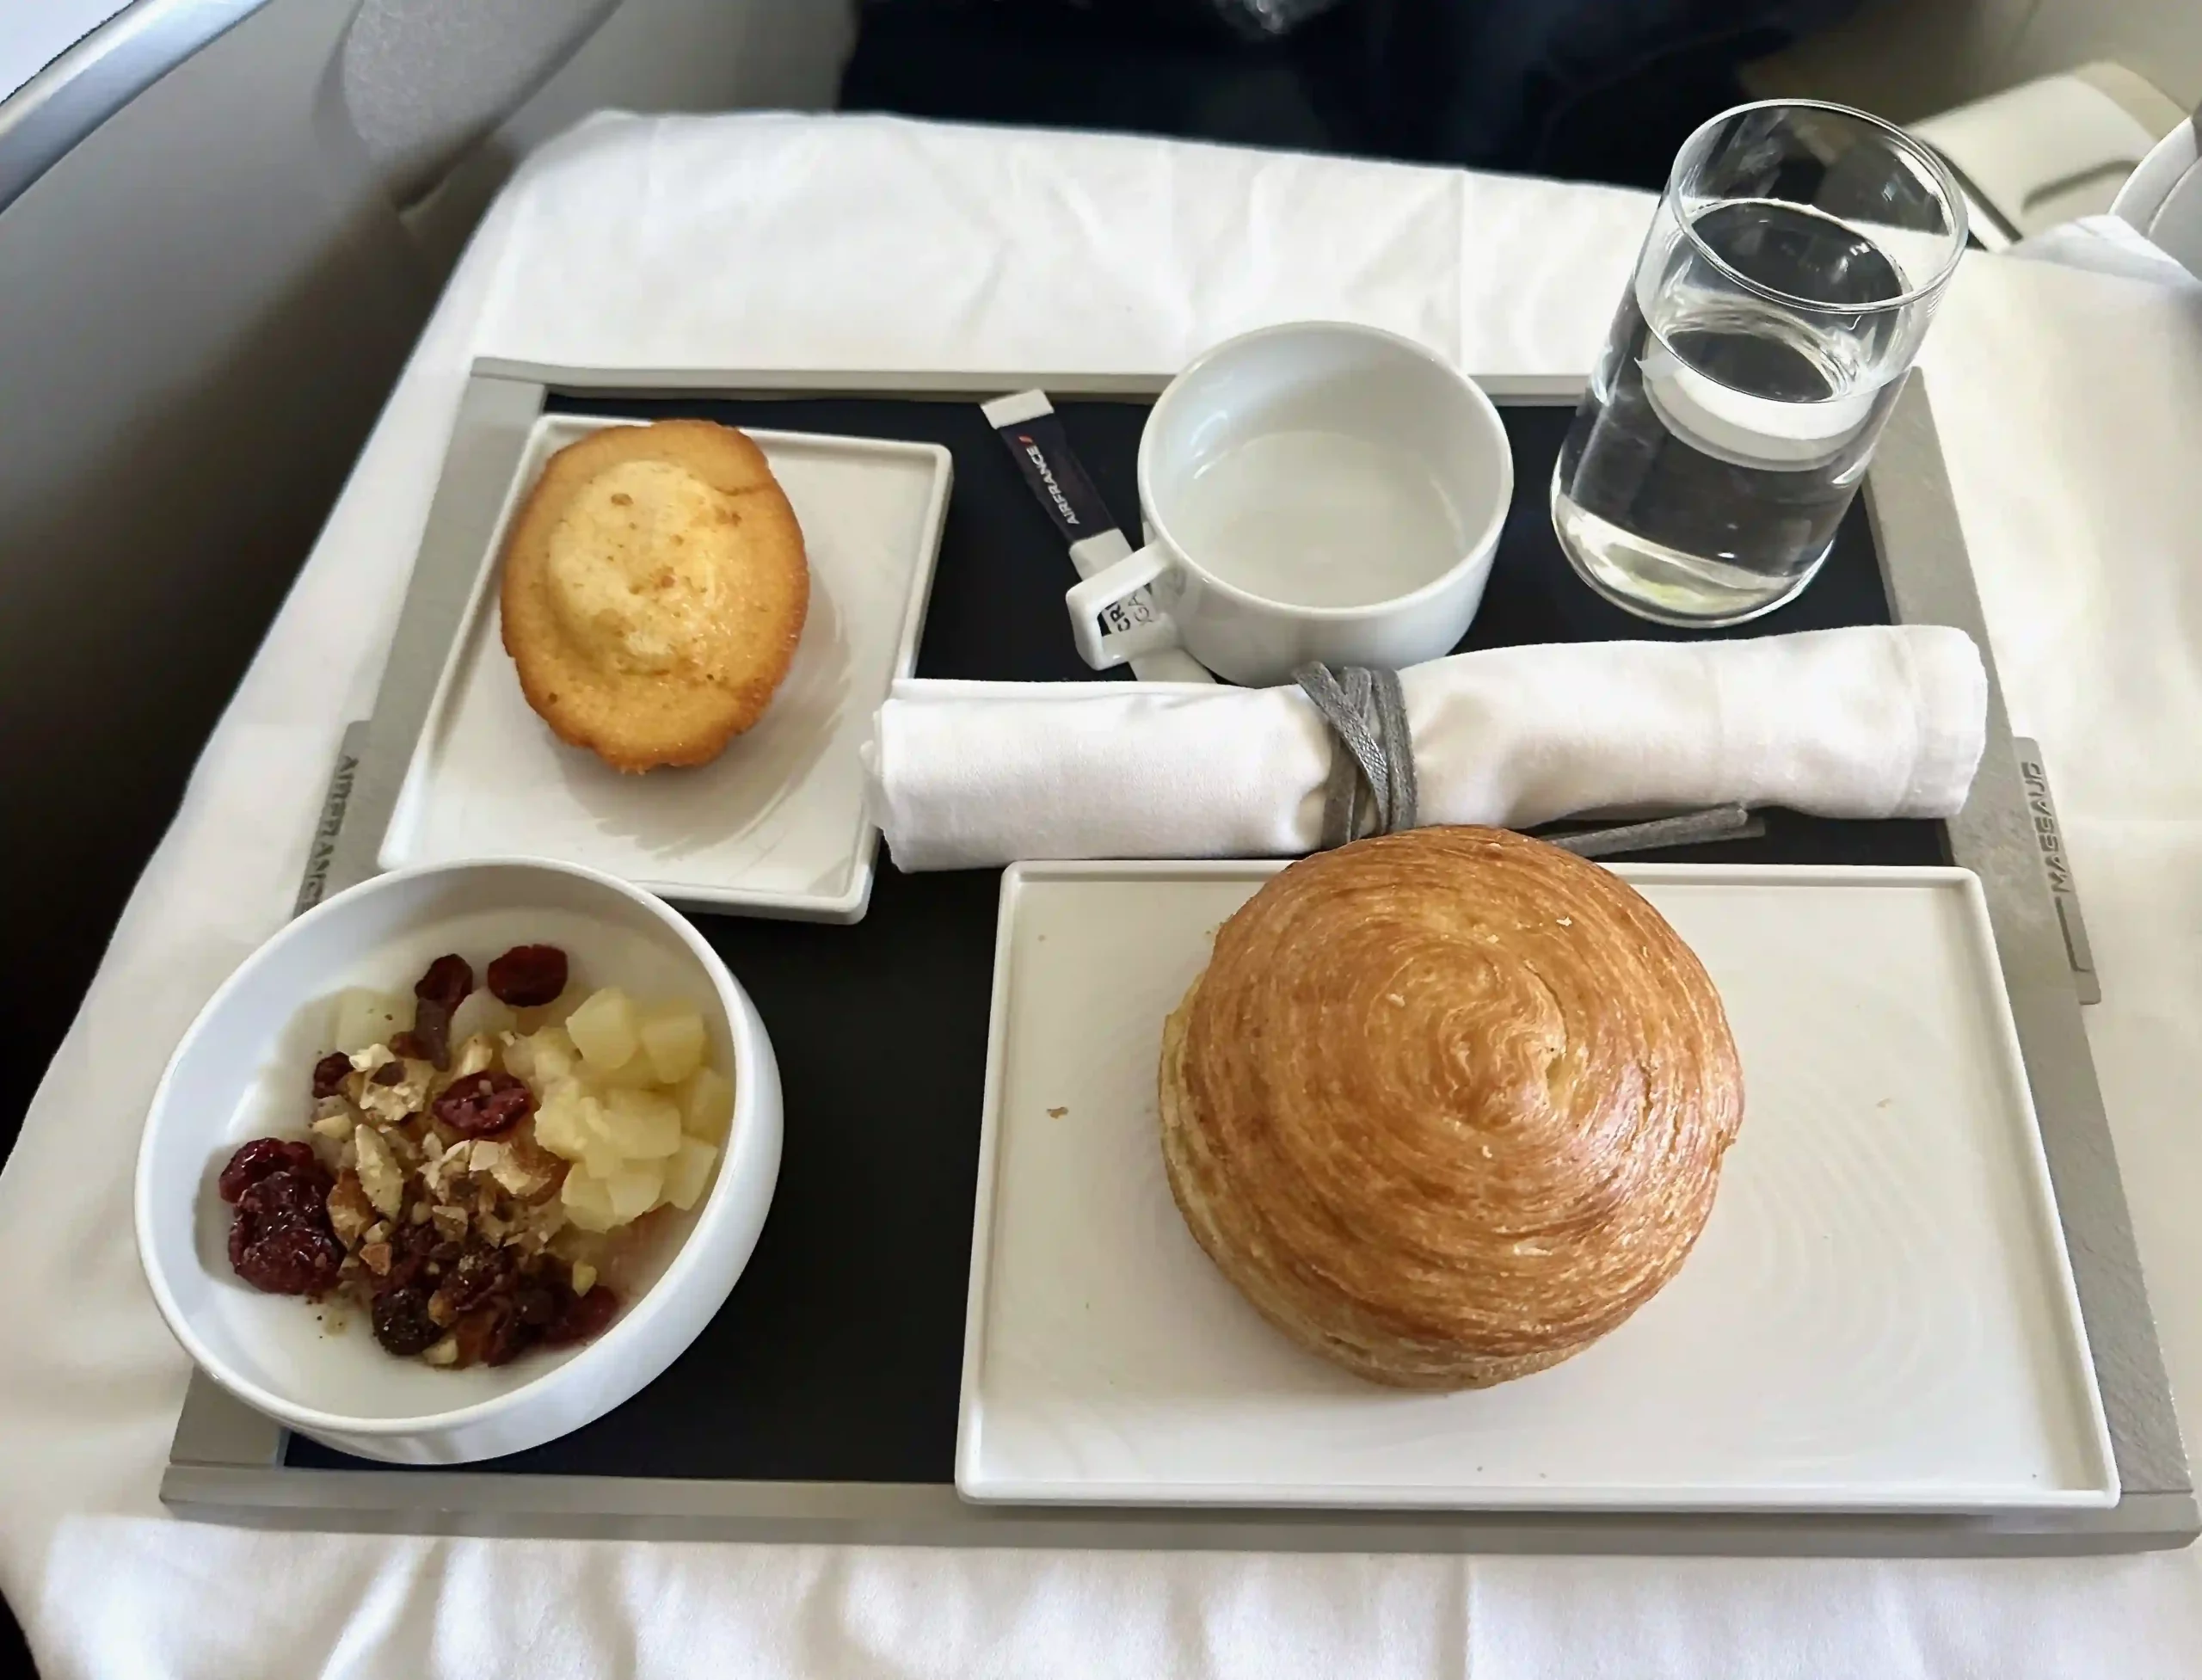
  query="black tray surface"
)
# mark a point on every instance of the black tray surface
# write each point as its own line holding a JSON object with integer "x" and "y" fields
{"x": 838, "y": 1356}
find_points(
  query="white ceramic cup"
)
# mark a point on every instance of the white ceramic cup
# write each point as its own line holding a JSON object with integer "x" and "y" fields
{"x": 1311, "y": 491}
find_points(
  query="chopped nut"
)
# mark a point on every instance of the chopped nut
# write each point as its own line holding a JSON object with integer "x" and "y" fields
{"x": 485, "y": 1200}
{"x": 440, "y": 1309}
{"x": 367, "y": 1061}
{"x": 350, "y": 1212}
{"x": 376, "y": 1257}
{"x": 432, "y": 1146}
{"x": 419, "y": 1213}
{"x": 450, "y": 1223}
{"x": 440, "y": 1353}
{"x": 377, "y": 1232}
{"x": 336, "y": 1126}
{"x": 380, "y": 1175}
{"x": 393, "y": 1103}
{"x": 442, "y": 1174}
{"x": 522, "y": 1169}
{"x": 584, "y": 1277}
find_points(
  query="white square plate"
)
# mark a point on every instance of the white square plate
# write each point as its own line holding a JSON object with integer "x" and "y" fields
{"x": 1879, "y": 1315}
{"x": 776, "y": 824}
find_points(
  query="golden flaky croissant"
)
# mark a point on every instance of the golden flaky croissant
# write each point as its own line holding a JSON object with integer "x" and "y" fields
{"x": 1448, "y": 1106}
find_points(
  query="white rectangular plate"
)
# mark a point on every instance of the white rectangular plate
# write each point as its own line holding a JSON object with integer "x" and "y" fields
{"x": 1879, "y": 1315}
{"x": 776, "y": 825}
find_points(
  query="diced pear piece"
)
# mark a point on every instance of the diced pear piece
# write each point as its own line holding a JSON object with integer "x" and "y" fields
{"x": 603, "y": 1028}
{"x": 707, "y": 1105}
{"x": 601, "y": 1150}
{"x": 550, "y": 1057}
{"x": 365, "y": 1017}
{"x": 587, "y": 1201}
{"x": 473, "y": 1055}
{"x": 558, "y": 1121}
{"x": 689, "y": 1172}
{"x": 633, "y": 1189}
{"x": 634, "y": 1074}
{"x": 556, "y": 1012}
{"x": 480, "y": 1012}
{"x": 673, "y": 1042}
{"x": 644, "y": 1124}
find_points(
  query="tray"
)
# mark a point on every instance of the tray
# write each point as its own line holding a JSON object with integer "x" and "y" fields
{"x": 776, "y": 824}
{"x": 821, "y": 1403}
{"x": 1879, "y": 1315}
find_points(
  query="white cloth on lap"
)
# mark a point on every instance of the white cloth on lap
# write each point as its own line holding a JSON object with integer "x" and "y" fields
{"x": 1863, "y": 722}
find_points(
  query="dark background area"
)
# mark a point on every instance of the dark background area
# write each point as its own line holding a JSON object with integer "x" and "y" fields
{"x": 1585, "y": 89}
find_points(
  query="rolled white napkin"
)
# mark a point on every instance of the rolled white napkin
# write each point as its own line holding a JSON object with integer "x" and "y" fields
{"x": 1872, "y": 722}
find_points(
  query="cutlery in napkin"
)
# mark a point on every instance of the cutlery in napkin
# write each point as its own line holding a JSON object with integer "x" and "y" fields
{"x": 1874, "y": 721}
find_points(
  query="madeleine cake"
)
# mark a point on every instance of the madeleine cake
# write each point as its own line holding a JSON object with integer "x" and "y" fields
{"x": 653, "y": 590}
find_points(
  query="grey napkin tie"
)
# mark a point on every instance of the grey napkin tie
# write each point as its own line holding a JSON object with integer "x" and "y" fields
{"x": 1371, "y": 789}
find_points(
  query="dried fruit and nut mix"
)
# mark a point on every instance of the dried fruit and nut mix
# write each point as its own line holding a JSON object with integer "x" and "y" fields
{"x": 475, "y": 1162}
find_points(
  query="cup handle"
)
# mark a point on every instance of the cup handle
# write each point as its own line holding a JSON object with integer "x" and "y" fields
{"x": 1118, "y": 595}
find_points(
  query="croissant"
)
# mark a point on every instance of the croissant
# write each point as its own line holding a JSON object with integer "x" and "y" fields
{"x": 1448, "y": 1106}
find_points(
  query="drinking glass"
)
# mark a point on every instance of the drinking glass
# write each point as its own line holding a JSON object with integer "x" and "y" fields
{"x": 1792, "y": 268}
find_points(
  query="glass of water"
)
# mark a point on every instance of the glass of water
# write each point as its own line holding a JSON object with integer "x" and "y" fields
{"x": 1792, "y": 268}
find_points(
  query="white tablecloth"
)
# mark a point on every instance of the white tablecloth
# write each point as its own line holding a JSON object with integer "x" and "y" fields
{"x": 2072, "y": 410}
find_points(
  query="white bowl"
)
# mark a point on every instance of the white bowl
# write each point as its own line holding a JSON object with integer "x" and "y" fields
{"x": 242, "y": 1072}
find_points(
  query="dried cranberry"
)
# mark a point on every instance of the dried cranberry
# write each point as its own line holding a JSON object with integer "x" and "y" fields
{"x": 536, "y": 1307}
{"x": 527, "y": 975}
{"x": 483, "y": 1272}
{"x": 439, "y": 993}
{"x": 491, "y": 1336}
{"x": 446, "y": 984}
{"x": 290, "y": 1194}
{"x": 583, "y": 1317}
{"x": 510, "y": 1336}
{"x": 281, "y": 1238}
{"x": 410, "y": 1247}
{"x": 430, "y": 1039}
{"x": 328, "y": 1073}
{"x": 402, "y": 1321}
{"x": 260, "y": 1157}
{"x": 287, "y": 1257}
{"x": 482, "y": 1104}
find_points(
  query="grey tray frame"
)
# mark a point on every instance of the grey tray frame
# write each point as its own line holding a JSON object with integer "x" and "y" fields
{"x": 225, "y": 1464}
